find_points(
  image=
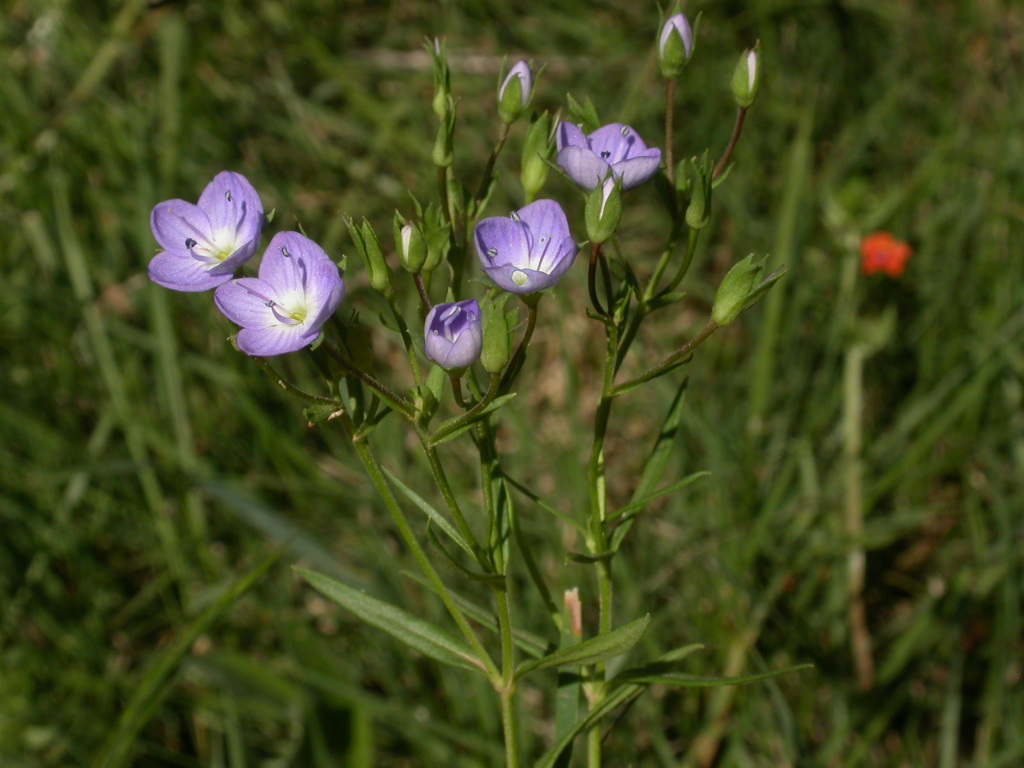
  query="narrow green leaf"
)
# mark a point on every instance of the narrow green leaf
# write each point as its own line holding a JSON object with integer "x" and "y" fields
{"x": 536, "y": 577}
{"x": 627, "y": 514}
{"x": 458, "y": 425}
{"x": 494, "y": 579}
{"x": 680, "y": 680}
{"x": 546, "y": 507}
{"x": 580, "y": 557}
{"x": 592, "y": 651}
{"x": 531, "y": 644}
{"x": 622, "y": 695}
{"x": 435, "y": 517}
{"x": 413, "y": 631}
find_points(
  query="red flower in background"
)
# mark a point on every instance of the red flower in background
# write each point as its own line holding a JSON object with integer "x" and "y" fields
{"x": 881, "y": 252}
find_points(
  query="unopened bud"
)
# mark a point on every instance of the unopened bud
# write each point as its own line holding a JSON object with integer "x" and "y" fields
{"x": 538, "y": 148}
{"x": 604, "y": 209}
{"x": 515, "y": 92}
{"x": 675, "y": 46}
{"x": 365, "y": 240}
{"x": 412, "y": 249}
{"x": 747, "y": 77}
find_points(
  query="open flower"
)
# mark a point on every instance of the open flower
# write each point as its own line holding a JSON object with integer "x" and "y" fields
{"x": 881, "y": 252}
{"x": 282, "y": 310}
{"x": 612, "y": 149}
{"x": 203, "y": 244}
{"x": 529, "y": 251}
{"x": 452, "y": 336}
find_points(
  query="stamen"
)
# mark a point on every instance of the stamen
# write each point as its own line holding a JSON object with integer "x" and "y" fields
{"x": 624, "y": 130}
{"x": 284, "y": 252}
{"x": 492, "y": 253}
{"x": 605, "y": 154}
{"x": 227, "y": 194}
{"x": 514, "y": 216}
{"x": 190, "y": 243}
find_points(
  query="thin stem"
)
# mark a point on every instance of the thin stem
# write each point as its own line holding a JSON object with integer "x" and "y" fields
{"x": 519, "y": 357}
{"x": 670, "y": 97}
{"x": 736, "y": 129}
{"x": 373, "y": 469}
{"x": 472, "y": 413}
{"x": 393, "y": 399}
{"x": 485, "y": 180}
{"x": 510, "y": 726}
{"x": 606, "y": 277}
{"x": 684, "y": 267}
{"x": 403, "y": 329}
{"x": 669, "y": 361}
{"x": 457, "y": 393}
{"x": 442, "y": 193}
{"x": 422, "y": 290}
{"x": 441, "y": 481}
{"x": 595, "y": 251}
{"x": 287, "y": 386}
{"x": 597, "y": 541}
{"x": 853, "y": 406}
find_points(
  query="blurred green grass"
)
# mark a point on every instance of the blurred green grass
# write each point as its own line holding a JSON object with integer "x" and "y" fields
{"x": 145, "y": 466}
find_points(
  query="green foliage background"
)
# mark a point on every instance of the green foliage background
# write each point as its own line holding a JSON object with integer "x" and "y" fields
{"x": 145, "y": 466}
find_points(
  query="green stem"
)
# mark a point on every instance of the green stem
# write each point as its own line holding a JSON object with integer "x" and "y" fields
{"x": 485, "y": 180}
{"x": 393, "y": 399}
{"x": 670, "y": 97}
{"x": 403, "y": 329}
{"x": 520, "y": 354}
{"x": 684, "y": 267}
{"x": 595, "y": 252}
{"x": 471, "y": 414}
{"x": 510, "y": 726}
{"x": 376, "y": 475}
{"x": 441, "y": 481}
{"x": 736, "y": 130}
{"x": 287, "y": 386}
{"x": 669, "y": 361}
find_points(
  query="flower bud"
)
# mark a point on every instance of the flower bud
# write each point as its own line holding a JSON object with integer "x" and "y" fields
{"x": 497, "y": 330}
{"x": 698, "y": 213}
{"x": 443, "y": 154}
{"x": 538, "y": 148}
{"x": 747, "y": 77}
{"x": 675, "y": 46}
{"x": 409, "y": 242}
{"x": 452, "y": 336}
{"x": 604, "y": 209}
{"x": 741, "y": 288}
{"x": 515, "y": 92}
{"x": 442, "y": 77}
{"x": 365, "y": 240}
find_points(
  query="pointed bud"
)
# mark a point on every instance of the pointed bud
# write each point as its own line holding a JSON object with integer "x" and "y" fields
{"x": 747, "y": 77}
{"x": 442, "y": 77}
{"x": 741, "y": 288}
{"x": 675, "y": 46}
{"x": 515, "y": 92}
{"x": 538, "y": 148}
{"x": 498, "y": 326}
{"x": 412, "y": 249}
{"x": 365, "y": 240}
{"x": 698, "y": 213}
{"x": 604, "y": 209}
{"x": 443, "y": 154}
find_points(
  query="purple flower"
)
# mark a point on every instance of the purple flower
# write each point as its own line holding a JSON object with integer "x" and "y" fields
{"x": 452, "y": 336}
{"x": 203, "y": 244}
{"x": 529, "y": 251}
{"x": 282, "y": 310}
{"x": 614, "y": 149}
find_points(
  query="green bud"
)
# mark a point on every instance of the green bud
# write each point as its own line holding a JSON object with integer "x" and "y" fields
{"x": 365, "y": 240}
{"x": 538, "y": 148}
{"x": 443, "y": 154}
{"x": 498, "y": 327}
{"x": 675, "y": 45}
{"x": 747, "y": 77}
{"x": 442, "y": 77}
{"x": 604, "y": 209}
{"x": 698, "y": 213}
{"x": 436, "y": 235}
{"x": 515, "y": 92}
{"x": 409, "y": 242}
{"x": 741, "y": 288}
